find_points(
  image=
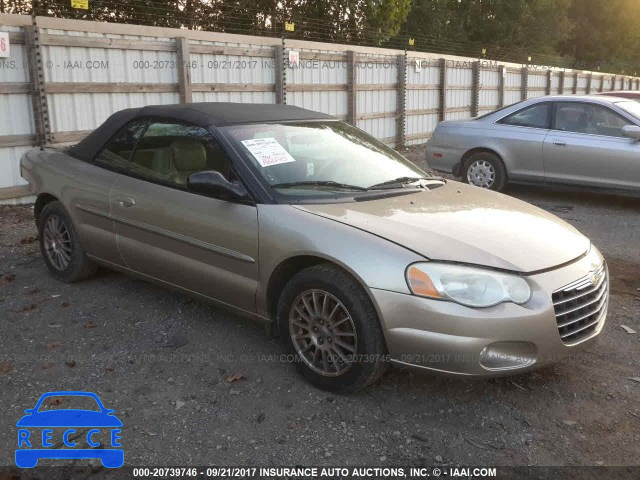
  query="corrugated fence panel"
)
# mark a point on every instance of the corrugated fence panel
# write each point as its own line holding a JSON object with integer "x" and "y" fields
{"x": 381, "y": 71}
{"x": 330, "y": 70}
{"x": 512, "y": 83}
{"x": 16, "y": 113}
{"x": 458, "y": 95}
{"x": 215, "y": 69}
{"x": 70, "y": 64}
{"x": 419, "y": 126}
{"x": 489, "y": 93}
{"x": 537, "y": 83}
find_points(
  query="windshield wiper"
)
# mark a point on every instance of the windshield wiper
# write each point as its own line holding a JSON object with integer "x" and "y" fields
{"x": 401, "y": 182}
{"x": 319, "y": 183}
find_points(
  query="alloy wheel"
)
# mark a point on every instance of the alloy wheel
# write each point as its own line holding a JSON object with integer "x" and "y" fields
{"x": 322, "y": 332}
{"x": 57, "y": 243}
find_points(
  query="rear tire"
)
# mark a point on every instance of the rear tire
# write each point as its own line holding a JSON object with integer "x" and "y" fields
{"x": 484, "y": 170}
{"x": 61, "y": 250}
{"x": 327, "y": 321}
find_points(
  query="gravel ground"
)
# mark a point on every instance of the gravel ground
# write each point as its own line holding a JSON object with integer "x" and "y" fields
{"x": 196, "y": 385}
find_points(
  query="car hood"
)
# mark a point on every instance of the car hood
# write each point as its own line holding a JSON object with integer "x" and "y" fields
{"x": 461, "y": 223}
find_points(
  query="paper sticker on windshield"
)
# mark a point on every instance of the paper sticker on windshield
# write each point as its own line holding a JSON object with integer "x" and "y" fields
{"x": 267, "y": 151}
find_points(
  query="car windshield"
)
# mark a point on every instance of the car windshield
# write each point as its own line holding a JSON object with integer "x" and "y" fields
{"x": 320, "y": 159}
{"x": 630, "y": 106}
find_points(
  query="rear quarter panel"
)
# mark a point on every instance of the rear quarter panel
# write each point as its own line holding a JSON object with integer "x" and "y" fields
{"x": 520, "y": 148}
{"x": 83, "y": 189}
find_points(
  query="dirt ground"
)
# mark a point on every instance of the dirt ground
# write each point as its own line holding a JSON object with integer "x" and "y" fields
{"x": 196, "y": 385}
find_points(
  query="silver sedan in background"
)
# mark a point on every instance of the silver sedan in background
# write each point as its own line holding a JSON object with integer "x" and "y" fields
{"x": 575, "y": 140}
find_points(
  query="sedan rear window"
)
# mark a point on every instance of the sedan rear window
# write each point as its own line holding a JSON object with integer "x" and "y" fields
{"x": 633, "y": 107}
{"x": 535, "y": 116}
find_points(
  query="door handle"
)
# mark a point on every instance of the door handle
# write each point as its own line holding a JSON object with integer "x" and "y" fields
{"x": 126, "y": 202}
{"x": 560, "y": 144}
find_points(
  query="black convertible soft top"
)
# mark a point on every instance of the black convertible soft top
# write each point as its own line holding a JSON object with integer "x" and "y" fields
{"x": 200, "y": 114}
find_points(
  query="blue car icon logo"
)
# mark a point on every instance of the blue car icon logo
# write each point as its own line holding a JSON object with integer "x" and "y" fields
{"x": 36, "y": 432}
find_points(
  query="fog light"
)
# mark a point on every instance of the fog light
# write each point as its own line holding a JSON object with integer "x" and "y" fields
{"x": 508, "y": 355}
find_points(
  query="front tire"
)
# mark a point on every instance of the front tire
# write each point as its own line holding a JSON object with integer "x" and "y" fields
{"x": 61, "y": 250}
{"x": 484, "y": 170}
{"x": 328, "y": 322}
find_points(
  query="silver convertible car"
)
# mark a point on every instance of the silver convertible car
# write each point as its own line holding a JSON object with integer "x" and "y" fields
{"x": 574, "y": 140}
{"x": 353, "y": 255}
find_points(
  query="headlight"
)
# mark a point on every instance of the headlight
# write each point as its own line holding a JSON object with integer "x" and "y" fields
{"x": 473, "y": 287}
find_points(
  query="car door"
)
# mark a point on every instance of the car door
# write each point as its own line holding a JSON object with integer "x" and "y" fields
{"x": 89, "y": 193}
{"x": 199, "y": 243}
{"x": 521, "y": 137}
{"x": 587, "y": 146}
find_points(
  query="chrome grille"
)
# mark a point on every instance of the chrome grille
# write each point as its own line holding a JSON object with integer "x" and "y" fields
{"x": 579, "y": 306}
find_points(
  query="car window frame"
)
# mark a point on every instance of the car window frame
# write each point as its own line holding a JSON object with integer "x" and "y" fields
{"x": 625, "y": 117}
{"x": 149, "y": 120}
{"x": 548, "y": 103}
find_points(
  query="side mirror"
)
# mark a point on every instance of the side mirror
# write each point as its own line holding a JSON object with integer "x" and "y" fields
{"x": 631, "y": 131}
{"x": 212, "y": 182}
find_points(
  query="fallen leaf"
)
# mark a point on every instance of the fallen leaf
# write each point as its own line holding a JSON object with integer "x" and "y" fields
{"x": 46, "y": 366}
{"x": 235, "y": 377}
{"x": 635, "y": 379}
{"x": 260, "y": 418}
{"x": 5, "y": 367}
{"x": 89, "y": 325}
{"x": 55, "y": 325}
{"x": 109, "y": 369}
{"x": 64, "y": 305}
{"x": 569, "y": 422}
{"x": 628, "y": 329}
{"x": 26, "y": 308}
{"x": 7, "y": 279}
{"x": 28, "y": 239}
{"x": 70, "y": 363}
{"x": 293, "y": 425}
{"x": 54, "y": 345}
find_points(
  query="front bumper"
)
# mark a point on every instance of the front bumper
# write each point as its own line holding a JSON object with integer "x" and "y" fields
{"x": 505, "y": 339}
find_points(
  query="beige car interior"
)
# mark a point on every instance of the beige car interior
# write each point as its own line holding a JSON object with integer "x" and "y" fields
{"x": 178, "y": 160}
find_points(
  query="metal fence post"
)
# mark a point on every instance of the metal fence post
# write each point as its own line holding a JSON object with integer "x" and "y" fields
{"x": 561, "y": 83}
{"x": 38, "y": 92}
{"x": 278, "y": 53}
{"x": 184, "y": 69}
{"x": 524, "y": 83}
{"x": 502, "y": 74}
{"x": 589, "y": 78}
{"x": 475, "y": 89}
{"x": 352, "y": 78}
{"x": 547, "y": 90}
{"x": 576, "y": 76}
{"x": 401, "y": 104}
{"x": 442, "y": 114}
{"x": 613, "y": 82}
{"x": 601, "y": 88}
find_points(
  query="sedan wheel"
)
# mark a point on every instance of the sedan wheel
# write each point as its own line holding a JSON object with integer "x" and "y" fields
{"x": 481, "y": 174}
{"x": 327, "y": 321}
{"x": 62, "y": 253}
{"x": 57, "y": 243}
{"x": 484, "y": 170}
{"x": 322, "y": 332}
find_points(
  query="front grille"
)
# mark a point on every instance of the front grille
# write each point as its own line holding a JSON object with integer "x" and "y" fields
{"x": 579, "y": 306}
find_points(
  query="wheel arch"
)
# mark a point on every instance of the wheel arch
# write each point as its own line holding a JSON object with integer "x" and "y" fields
{"x": 289, "y": 267}
{"x": 474, "y": 150}
{"x": 41, "y": 201}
